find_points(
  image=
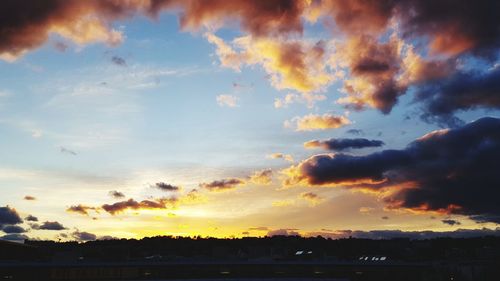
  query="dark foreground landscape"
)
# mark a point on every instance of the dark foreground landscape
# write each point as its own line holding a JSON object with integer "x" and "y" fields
{"x": 283, "y": 258}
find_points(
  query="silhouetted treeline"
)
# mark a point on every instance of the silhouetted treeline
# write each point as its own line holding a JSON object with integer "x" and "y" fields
{"x": 166, "y": 248}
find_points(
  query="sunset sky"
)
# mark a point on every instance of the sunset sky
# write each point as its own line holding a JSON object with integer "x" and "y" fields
{"x": 238, "y": 118}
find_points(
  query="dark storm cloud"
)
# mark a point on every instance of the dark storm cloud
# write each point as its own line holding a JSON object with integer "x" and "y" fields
{"x": 13, "y": 229}
{"x": 461, "y": 91}
{"x": 451, "y": 222}
{"x": 9, "y": 216}
{"x": 453, "y": 26}
{"x": 116, "y": 194}
{"x": 121, "y": 206}
{"x": 49, "y": 225}
{"x": 221, "y": 185}
{"x": 450, "y": 171}
{"x": 166, "y": 187}
{"x": 450, "y": 26}
{"x": 343, "y": 144}
{"x": 118, "y": 61}
{"x": 341, "y": 168}
{"x": 83, "y": 236}
{"x": 31, "y": 218}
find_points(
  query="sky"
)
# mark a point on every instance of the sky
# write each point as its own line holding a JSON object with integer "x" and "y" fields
{"x": 139, "y": 118}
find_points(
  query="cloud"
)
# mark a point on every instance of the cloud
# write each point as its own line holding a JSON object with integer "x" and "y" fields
{"x": 81, "y": 209}
{"x": 343, "y": 144}
{"x": 438, "y": 172}
{"x": 312, "y": 197}
{"x": 460, "y": 91}
{"x": 193, "y": 196}
{"x": 227, "y": 100}
{"x": 354, "y": 17}
{"x": 373, "y": 68}
{"x": 366, "y": 210}
{"x": 68, "y": 151}
{"x": 382, "y": 70}
{"x": 330, "y": 169}
{"x": 116, "y": 194}
{"x": 83, "y": 236}
{"x": 453, "y": 29}
{"x": 9, "y": 216}
{"x": 118, "y": 207}
{"x": 283, "y": 203}
{"x": 83, "y": 22}
{"x": 256, "y": 17}
{"x": 14, "y": 237}
{"x": 166, "y": 187}
{"x": 286, "y": 157}
{"x": 451, "y": 222}
{"x": 376, "y": 68}
{"x": 29, "y": 198}
{"x": 447, "y": 28}
{"x": 117, "y": 60}
{"x": 290, "y": 98}
{"x": 356, "y": 132}
{"x": 291, "y": 64}
{"x": 60, "y": 46}
{"x": 282, "y": 232}
{"x": 259, "y": 228}
{"x": 222, "y": 185}
{"x": 31, "y": 218}
{"x": 313, "y": 122}
{"x": 13, "y": 229}
{"x": 263, "y": 177}
{"x": 132, "y": 204}
{"x": 49, "y": 225}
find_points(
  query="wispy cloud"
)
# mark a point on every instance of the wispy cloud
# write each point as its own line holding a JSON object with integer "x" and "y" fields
{"x": 227, "y": 100}
{"x": 286, "y": 157}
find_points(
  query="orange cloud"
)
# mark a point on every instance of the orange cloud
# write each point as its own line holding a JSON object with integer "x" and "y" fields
{"x": 259, "y": 18}
{"x": 313, "y": 122}
{"x": 26, "y": 26}
{"x": 311, "y": 197}
{"x": 286, "y": 157}
{"x": 263, "y": 177}
{"x": 296, "y": 65}
{"x": 354, "y": 16}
